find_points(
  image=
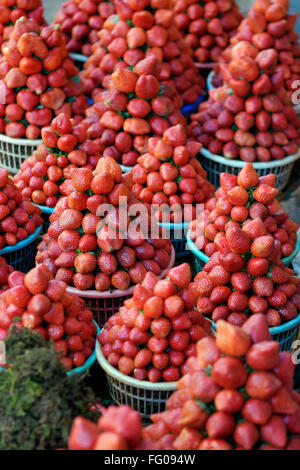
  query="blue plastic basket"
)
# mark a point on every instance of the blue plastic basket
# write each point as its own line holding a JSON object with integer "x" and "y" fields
{"x": 79, "y": 60}
{"x": 22, "y": 255}
{"x": 200, "y": 258}
{"x": 46, "y": 212}
{"x": 178, "y": 243}
{"x": 214, "y": 165}
{"x": 191, "y": 108}
{"x": 88, "y": 363}
{"x": 284, "y": 334}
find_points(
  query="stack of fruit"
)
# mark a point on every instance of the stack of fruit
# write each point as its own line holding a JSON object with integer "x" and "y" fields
{"x": 136, "y": 106}
{"x": 80, "y": 22}
{"x": 269, "y": 25}
{"x": 245, "y": 274}
{"x": 238, "y": 394}
{"x": 207, "y": 27}
{"x": 169, "y": 174}
{"x": 139, "y": 30}
{"x": 156, "y": 330}
{"x": 46, "y": 175}
{"x": 37, "y": 80}
{"x": 91, "y": 250}
{"x": 18, "y": 218}
{"x": 12, "y": 10}
{"x": 45, "y": 307}
{"x": 250, "y": 117}
{"x": 247, "y": 201}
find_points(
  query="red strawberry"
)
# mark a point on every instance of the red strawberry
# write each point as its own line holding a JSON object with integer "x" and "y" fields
{"x": 279, "y": 275}
{"x": 180, "y": 275}
{"x": 238, "y": 240}
{"x": 238, "y": 196}
{"x": 37, "y": 279}
{"x": 270, "y": 180}
{"x": 263, "y": 286}
{"x": 241, "y": 281}
{"x": 262, "y": 246}
{"x": 257, "y": 266}
{"x": 219, "y": 276}
{"x": 228, "y": 181}
{"x": 85, "y": 263}
{"x": 82, "y": 178}
{"x": 254, "y": 228}
{"x": 246, "y": 435}
{"x": 247, "y": 177}
{"x": 282, "y": 403}
{"x": 265, "y": 194}
{"x": 257, "y": 328}
{"x": 274, "y": 432}
{"x": 70, "y": 219}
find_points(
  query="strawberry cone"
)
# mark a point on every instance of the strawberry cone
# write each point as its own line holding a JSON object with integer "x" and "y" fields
{"x": 136, "y": 32}
{"x": 207, "y": 27}
{"x": 136, "y": 106}
{"x": 45, "y": 307}
{"x": 91, "y": 244}
{"x": 12, "y": 10}
{"x": 81, "y": 21}
{"x": 38, "y": 80}
{"x": 19, "y": 218}
{"x": 170, "y": 176}
{"x": 269, "y": 26}
{"x": 46, "y": 176}
{"x": 248, "y": 202}
{"x": 251, "y": 117}
{"x": 236, "y": 395}
{"x": 155, "y": 332}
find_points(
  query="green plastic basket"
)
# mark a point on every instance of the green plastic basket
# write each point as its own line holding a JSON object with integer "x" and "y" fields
{"x": 88, "y": 363}
{"x": 214, "y": 165}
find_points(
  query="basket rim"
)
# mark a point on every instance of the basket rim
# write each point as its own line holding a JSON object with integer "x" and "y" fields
{"x": 205, "y": 65}
{"x": 173, "y": 225}
{"x": 15, "y": 141}
{"x": 93, "y": 294}
{"x": 209, "y": 79}
{"x": 45, "y": 209}
{"x": 90, "y": 360}
{"x": 257, "y": 165}
{"x": 22, "y": 243}
{"x": 78, "y": 57}
{"x": 190, "y": 107}
{"x": 198, "y": 253}
{"x": 143, "y": 384}
{"x": 125, "y": 169}
{"x": 274, "y": 329}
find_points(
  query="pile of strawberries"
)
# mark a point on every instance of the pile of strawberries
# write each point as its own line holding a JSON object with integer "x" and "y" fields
{"x": 18, "y": 218}
{"x": 251, "y": 116}
{"x": 245, "y": 275}
{"x": 37, "y": 80}
{"x": 46, "y": 175}
{"x": 45, "y": 307}
{"x": 12, "y": 10}
{"x": 82, "y": 246}
{"x": 139, "y": 30}
{"x": 155, "y": 331}
{"x": 119, "y": 428}
{"x": 5, "y": 271}
{"x": 170, "y": 174}
{"x": 238, "y": 394}
{"x": 268, "y": 25}
{"x": 207, "y": 26}
{"x": 80, "y": 22}
{"x": 249, "y": 202}
{"x": 136, "y": 106}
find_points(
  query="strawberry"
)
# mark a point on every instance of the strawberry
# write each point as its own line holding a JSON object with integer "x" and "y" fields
{"x": 263, "y": 286}
{"x": 228, "y": 181}
{"x": 180, "y": 275}
{"x": 257, "y": 328}
{"x": 85, "y": 263}
{"x": 246, "y": 435}
{"x": 232, "y": 340}
{"x": 247, "y": 177}
{"x": 274, "y": 432}
{"x": 238, "y": 240}
{"x": 255, "y": 228}
{"x": 270, "y": 180}
{"x": 265, "y": 194}
{"x": 70, "y": 219}
{"x": 37, "y": 279}
{"x": 238, "y": 196}
{"x": 262, "y": 246}
{"x": 257, "y": 266}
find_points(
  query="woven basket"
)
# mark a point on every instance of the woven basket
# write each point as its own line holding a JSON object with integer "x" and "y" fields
{"x": 13, "y": 152}
{"x": 214, "y": 165}
{"x": 145, "y": 397}
{"x": 22, "y": 255}
{"x": 107, "y": 303}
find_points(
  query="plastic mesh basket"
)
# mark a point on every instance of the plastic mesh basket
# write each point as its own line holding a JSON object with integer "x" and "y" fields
{"x": 173, "y": 231}
{"x": 214, "y": 165}
{"x": 200, "y": 258}
{"x": 46, "y": 212}
{"x": 22, "y": 255}
{"x": 88, "y": 363}
{"x": 191, "y": 108}
{"x": 13, "y": 152}
{"x": 145, "y": 397}
{"x": 284, "y": 334}
{"x": 107, "y": 303}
